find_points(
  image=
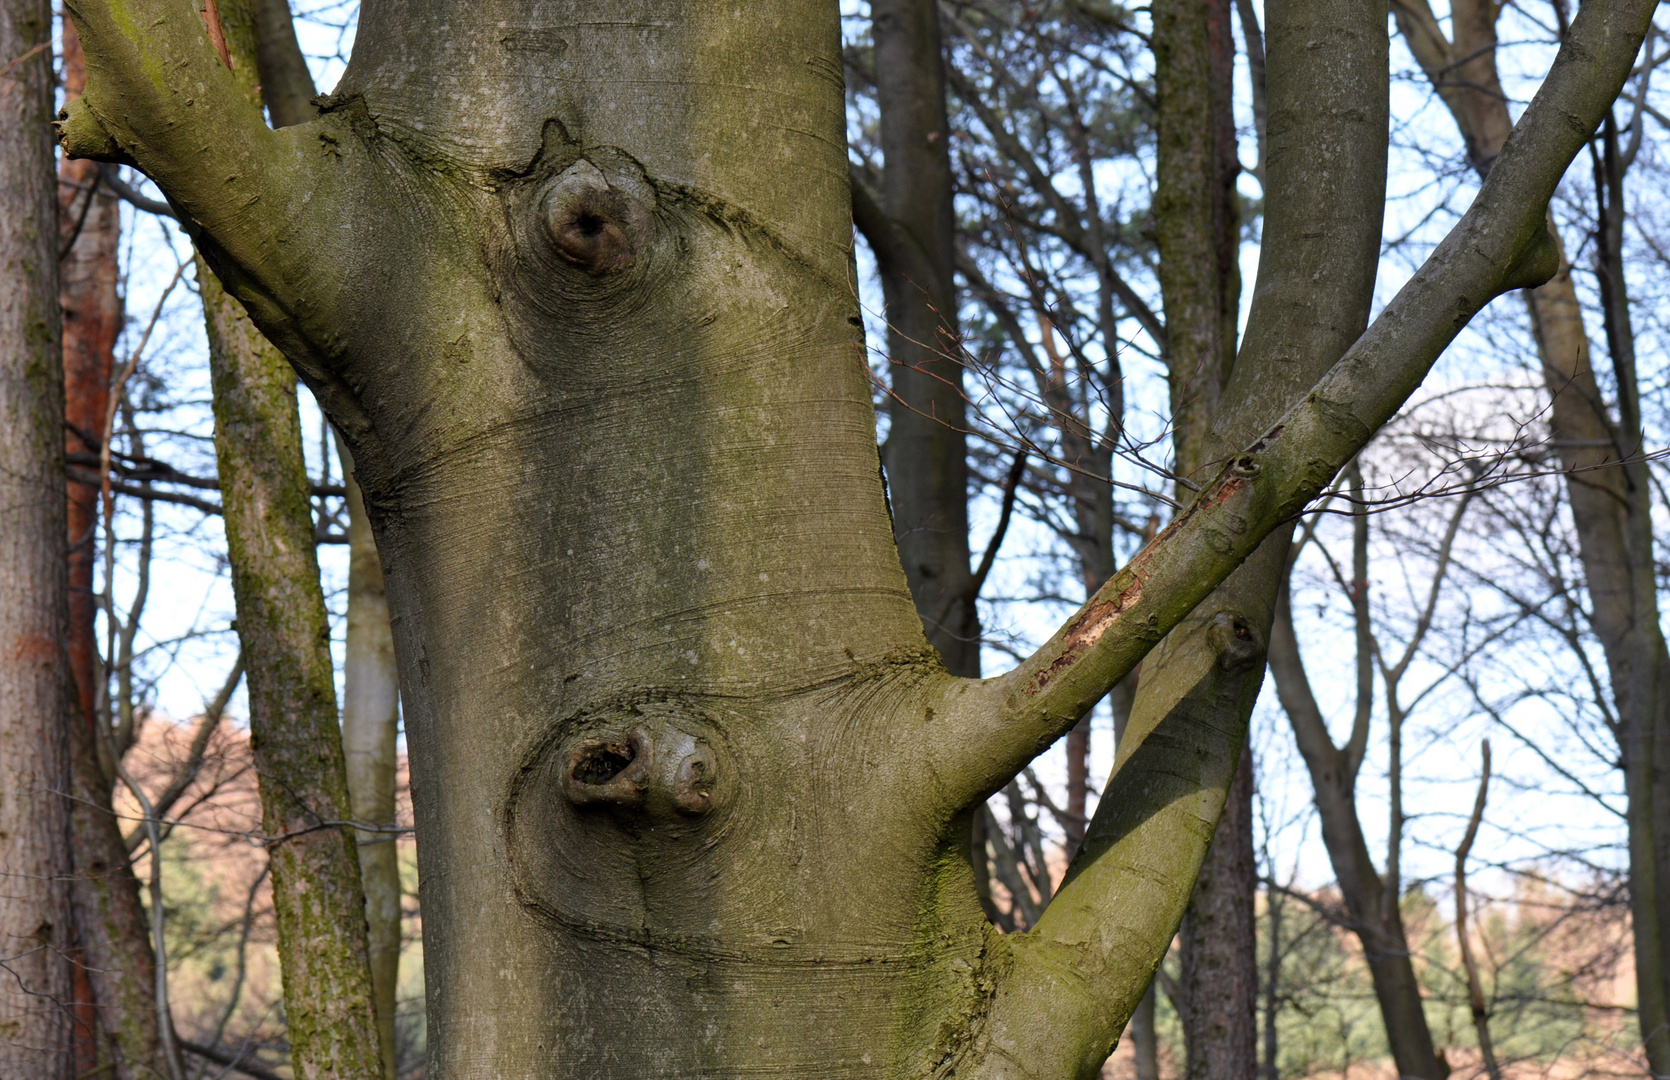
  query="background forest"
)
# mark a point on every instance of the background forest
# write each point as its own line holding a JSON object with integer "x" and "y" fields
{"x": 1436, "y": 758}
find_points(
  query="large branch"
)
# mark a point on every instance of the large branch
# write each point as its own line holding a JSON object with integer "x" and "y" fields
{"x": 1500, "y": 244}
{"x": 159, "y": 96}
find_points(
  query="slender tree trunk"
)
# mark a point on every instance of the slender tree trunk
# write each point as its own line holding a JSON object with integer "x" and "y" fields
{"x": 1374, "y": 916}
{"x": 318, "y": 902}
{"x": 371, "y": 705}
{"x": 36, "y": 686}
{"x": 1198, "y": 225}
{"x": 926, "y": 449}
{"x": 1610, "y": 507}
{"x": 112, "y": 927}
{"x": 370, "y": 723}
{"x": 305, "y": 806}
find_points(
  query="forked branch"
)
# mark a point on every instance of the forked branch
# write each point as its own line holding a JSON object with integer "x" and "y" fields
{"x": 1500, "y": 244}
{"x": 1070, "y": 984}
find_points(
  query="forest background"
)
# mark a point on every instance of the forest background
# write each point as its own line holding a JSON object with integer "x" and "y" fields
{"x": 1437, "y": 599}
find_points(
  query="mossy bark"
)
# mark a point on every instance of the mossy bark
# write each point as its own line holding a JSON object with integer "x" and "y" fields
{"x": 306, "y": 809}
{"x": 692, "y": 790}
{"x": 36, "y": 686}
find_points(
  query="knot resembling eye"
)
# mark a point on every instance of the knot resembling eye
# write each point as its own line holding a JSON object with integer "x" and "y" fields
{"x": 643, "y": 770}
{"x": 592, "y": 224}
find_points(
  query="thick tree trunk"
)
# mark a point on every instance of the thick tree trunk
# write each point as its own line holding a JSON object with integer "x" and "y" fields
{"x": 370, "y": 726}
{"x": 925, "y": 454}
{"x": 692, "y": 790}
{"x": 36, "y": 686}
{"x": 1610, "y": 507}
{"x": 112, "y": 928}
{"x": 1198, "y": 226}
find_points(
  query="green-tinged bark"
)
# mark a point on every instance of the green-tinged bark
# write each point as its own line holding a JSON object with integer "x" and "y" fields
{"x": 692, "y": 791}
{"x": 1198, "y": 230}
{"x": 36, "y": 686}
{"x": 370, "y": 723}
{"x": 318, "y": 903}
{"x": 914, "y": 240}
{"x": 371, "y": 691}
{"x": 1610, "y": 506}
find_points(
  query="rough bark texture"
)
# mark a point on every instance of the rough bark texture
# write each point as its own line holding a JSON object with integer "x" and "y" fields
{"x": 370, "y": 723}
{"x": 1219, "y": 946}
{"x": 692, "y": 791}
{"x": 1197, "y": 218}
{"x": 1197, "y": 227}
{"x": 926, "y": 450}
{"x": 318, "y": 903}
{"x": 112, "y": 934}
{"x": 1610, "y": 507}
{"x": 36, "y": 688}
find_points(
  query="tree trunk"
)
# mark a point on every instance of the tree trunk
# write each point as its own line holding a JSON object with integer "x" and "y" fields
{"x": 371, "y": 690}
{"x": 318, "y": 903}
{"x": 111, "y": 924}
{"x": 692, "y": 790}
{"x": 1198, "y": 226}
{"x": 36, "y": 686}
{"x": 1610, "y": 507}
{"x": 1375, "y": 918}
{"x": 305, "y": 807}
{"x": 926, "y": 450}
{"x": 370, "y": 726}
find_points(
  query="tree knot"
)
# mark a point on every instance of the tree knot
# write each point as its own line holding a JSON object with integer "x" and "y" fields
{"x": 593, "y": 224}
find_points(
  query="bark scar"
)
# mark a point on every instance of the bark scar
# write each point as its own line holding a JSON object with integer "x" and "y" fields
{"x": 1087, "y": 630}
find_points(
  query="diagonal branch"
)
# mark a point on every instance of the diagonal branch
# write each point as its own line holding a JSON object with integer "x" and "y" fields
{"x": 1499, "y": 245}
{"x": 1091, "y": 956}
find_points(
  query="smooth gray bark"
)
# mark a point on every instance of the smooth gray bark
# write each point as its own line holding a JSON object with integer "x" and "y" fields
{"x": 370, "y": 730}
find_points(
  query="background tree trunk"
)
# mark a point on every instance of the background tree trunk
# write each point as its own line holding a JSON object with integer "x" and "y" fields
{"x": 1372, "y": 904}
{"x": 36, "y": 686}
{"x": 1198, "y": 231}
{"x": 370, "y": 727}
{"x": 305, "y": 806}
{"x": 925, "y": 454}
{"x": 318, "y": 902}
{"x": 1610, "y": 506}
{"x": 112, "y": 929}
